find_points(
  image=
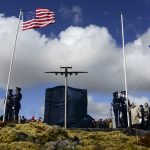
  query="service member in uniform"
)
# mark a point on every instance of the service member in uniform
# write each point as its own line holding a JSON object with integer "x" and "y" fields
{"x": 116, "y": 108}
{"x": 9, "y": 105}
{"x": 123, "y": 109}
{"x": 17, "y": 105}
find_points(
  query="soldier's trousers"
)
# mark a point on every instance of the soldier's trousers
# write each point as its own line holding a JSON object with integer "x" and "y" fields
{"x": 16, "y": 114}
{"x": 8, "y": 114}
{"x": 117, "y": 121}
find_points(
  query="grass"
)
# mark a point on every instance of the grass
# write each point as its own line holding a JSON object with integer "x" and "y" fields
{"x": 114, "y": 140}
{"x": 36, "y": 136}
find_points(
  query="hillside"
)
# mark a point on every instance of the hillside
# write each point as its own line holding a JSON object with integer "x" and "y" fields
{"x": 39, "y": 136}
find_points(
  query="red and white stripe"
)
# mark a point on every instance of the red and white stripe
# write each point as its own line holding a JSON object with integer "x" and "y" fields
{"x": 43, "y": 18}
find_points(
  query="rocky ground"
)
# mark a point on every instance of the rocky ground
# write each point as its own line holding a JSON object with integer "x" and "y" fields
{"x": 39, "y": 136}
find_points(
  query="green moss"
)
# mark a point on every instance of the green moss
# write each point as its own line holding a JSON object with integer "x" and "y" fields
{"x": 114, "y": 140}
{"x": 34, "y": 136}
{"x": 19, "y": 146}
{"x": 24, "y": 146}
{"x": 7, "y": 135}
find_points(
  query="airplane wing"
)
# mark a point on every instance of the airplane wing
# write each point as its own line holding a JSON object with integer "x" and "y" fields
{"x": 77, "y": 72}
{"x": 56, "y": 72}
{"x": 69, "y": 72}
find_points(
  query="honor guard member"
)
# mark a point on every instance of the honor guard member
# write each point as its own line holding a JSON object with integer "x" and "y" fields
{"x": 17, "y": 105}
{"x": 124, "y": 109}
{"x": 116, "y": 108}
{"x": 9, "y": 105}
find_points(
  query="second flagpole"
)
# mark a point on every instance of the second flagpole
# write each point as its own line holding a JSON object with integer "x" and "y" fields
{"x": 125, "y": 73}
{"x": 11, "y": 65}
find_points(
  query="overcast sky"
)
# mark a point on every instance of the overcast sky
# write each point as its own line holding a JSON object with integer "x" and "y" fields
{"x": 87, "y": 41}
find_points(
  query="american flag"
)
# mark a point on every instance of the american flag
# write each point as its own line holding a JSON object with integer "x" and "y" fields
{"x": 37, "y": 19}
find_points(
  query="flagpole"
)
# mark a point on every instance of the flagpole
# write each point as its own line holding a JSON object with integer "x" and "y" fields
{"x": 11, "y": 65}
{"x": 124, "y": 66}
{"x": 66, "y": 95}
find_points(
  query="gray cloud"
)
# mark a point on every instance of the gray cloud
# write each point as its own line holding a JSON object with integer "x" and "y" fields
{"x": 41, "y": 113}
{"x": 98, "y": 109}
{"x": 74, "y": 13}
{"x": 1, "y": 106}
{"x": 139, "y": 100}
